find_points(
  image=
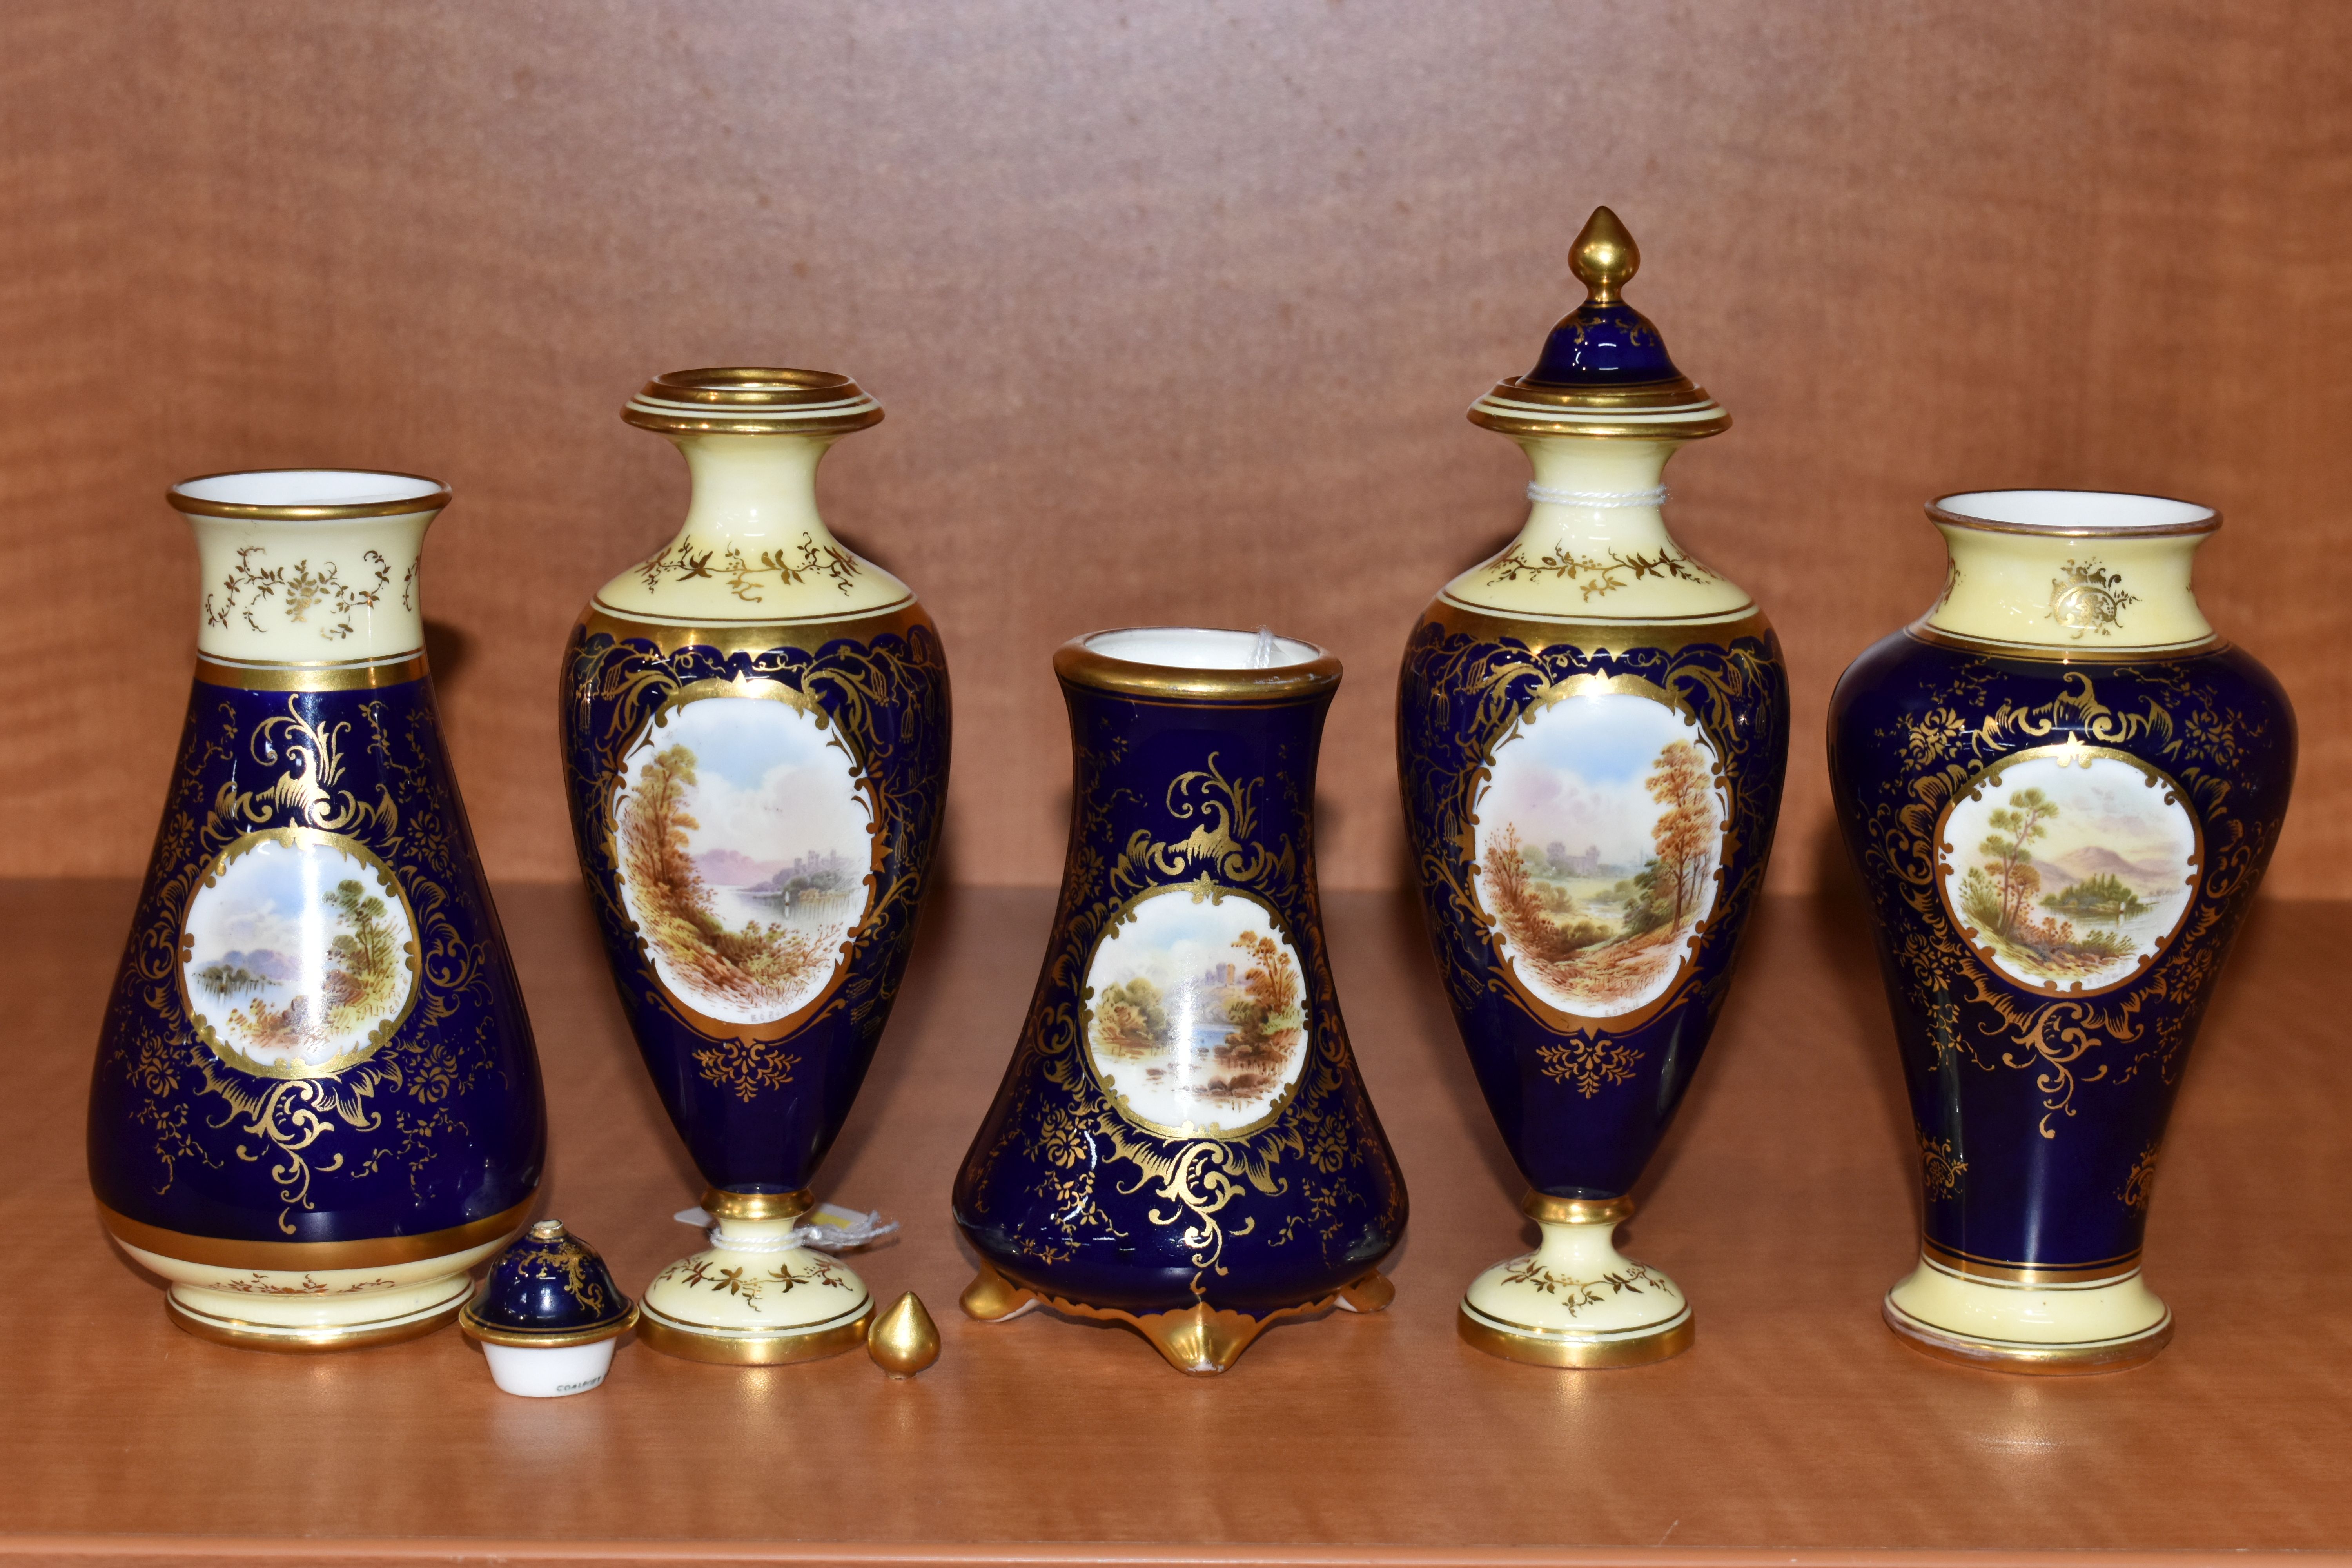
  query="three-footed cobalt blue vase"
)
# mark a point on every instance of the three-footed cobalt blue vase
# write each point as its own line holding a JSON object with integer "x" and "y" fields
{"x": 1592, "y": 731}
{"x": 755, "y": 744}
{"x": 2061, "y": 789}
{"x": 316, "y": 1102}
{"x": 1182, "y": 1142}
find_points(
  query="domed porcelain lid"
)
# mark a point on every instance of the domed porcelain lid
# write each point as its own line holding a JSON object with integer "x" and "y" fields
{"x": 549, "y": 1289}
{"x": 1605, "y": 370}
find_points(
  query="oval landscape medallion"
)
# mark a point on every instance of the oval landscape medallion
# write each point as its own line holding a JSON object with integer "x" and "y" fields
{"x": 745, "y": 846}
{"x": 1196, "y": 1023}
{"x": 298, "y": 956}
{"x": 2069, "y": 867}
{"x": 1599, "y": 833}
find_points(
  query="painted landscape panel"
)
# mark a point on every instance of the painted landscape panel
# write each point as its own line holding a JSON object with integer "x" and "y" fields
{"x": 1198, "y": 1018}
{"x": 2069, "y": 870}
{"x": 296, "y": 953}
{"x": 1599, "y": 836}
{"x": 744, "y": 846}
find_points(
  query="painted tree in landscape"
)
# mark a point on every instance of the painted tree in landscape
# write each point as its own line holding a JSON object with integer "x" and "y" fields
{"x": 2009, "y": 852}
{"x": 1588, "y": 949}
{"x": 2000, "y": 894}
{"x": 1268, "y": 1024}
{"x": 763, "y": 963}
{"x": 1684, "y": 836}
{"x": 360, "y": 988}
{"x": 1131, "y": 1020}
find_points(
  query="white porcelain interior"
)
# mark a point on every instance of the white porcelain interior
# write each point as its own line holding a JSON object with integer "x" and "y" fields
{"x": 1203, "y": 648}
{"x": 2105, "y": 512}
{"x": 307, "y": 487}
{"x": 537, "y": 1372}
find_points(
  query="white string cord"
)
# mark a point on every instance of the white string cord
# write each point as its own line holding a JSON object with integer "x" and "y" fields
{"x": 1599, "y": 500}
{"x": 863, "y": 1230}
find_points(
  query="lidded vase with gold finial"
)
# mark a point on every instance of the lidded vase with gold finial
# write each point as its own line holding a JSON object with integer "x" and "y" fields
{"x": 1591, "y": 730}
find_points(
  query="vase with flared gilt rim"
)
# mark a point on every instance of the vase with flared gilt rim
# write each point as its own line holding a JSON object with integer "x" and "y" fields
{"x": 755, "y": 745}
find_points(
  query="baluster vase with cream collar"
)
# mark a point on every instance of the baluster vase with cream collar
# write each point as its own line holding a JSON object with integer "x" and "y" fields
{"x": 755, "y": 743}
{"x": 2060, "y": 788}
{"x": 1592, "y": 731}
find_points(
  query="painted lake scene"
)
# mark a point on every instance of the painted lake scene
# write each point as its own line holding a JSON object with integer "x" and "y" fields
{"x": 2069, "y": 870}
{"x": 1598, "y": 836}
{"x": 297, "y": 954}
{"x": 744, "y": 845}
{"x": 1197, "y": 1016}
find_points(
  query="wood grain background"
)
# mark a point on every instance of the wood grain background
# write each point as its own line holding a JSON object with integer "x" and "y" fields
{"x": 1175, "y": 310}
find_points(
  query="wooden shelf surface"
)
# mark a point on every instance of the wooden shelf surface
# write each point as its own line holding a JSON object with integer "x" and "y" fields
{"x": 1783, "y": 1203}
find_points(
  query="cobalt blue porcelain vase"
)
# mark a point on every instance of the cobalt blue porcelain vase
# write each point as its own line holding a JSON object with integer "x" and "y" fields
{"x": 2060, "y": 788}
{"x": 755, "y": 744}
{"x": 1182, "y": 1142}
{"x": 1592, "y": 732}
{"x": 316, "y": 1102}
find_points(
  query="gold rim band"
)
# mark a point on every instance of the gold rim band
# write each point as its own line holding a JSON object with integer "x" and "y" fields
{"x": 1546, "y": 1351}
{"x": 523, "y": 1339}
{"x": 1953, "y": 1261}
{"x": 720, "y": 1204}
{"x": 1545, "y": 1209}
{"x": 308, "y": 1342}
{"x": 1079, "y": 665}
{"x": 188, "y": 505}
{"x": 780, "y": 1349}
{"x": 1521, "y": 407}
{"x": 2065, "y": 653}
{"x": 2052, "y": 1361}
{"x": 2210, "y": 523}
{"x": 1596, "y": 633}
{"x": 301, "y": 1256}
{"x": 809, "y": 633}
{"x": 312, "y": 676}
{"x": 752, "y": 400}
{"x": 1678, "y": 393}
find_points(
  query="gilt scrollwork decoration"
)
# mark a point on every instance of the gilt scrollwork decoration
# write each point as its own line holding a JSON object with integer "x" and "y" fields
{"x": 1200, "y": 1187}
{"x": 1461, "y": 697}
{"x": 1974, "y": 1014}
{"x": 884, "y": 699}
{"x": 294, "y": 770}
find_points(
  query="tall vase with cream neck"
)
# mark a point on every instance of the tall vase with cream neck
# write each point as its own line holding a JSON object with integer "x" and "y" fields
{"x": 755, "y": 744}
{"x": 316, "y": 1103}
{"x": 2061, "y": 788}
{"x": 1592, "y": 731}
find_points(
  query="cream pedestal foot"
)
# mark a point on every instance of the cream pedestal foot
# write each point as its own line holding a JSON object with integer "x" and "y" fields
{"x": 1576, "y": 1301}
{"x": 320, "y": 1308}
{"x": 2054, "y": 1326}
{"x": 754, "y": 1298}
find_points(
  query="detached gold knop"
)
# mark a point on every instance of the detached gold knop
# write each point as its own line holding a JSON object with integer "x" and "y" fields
{"x": 904, "y": 1340}
{"x": 1604, "y": 257}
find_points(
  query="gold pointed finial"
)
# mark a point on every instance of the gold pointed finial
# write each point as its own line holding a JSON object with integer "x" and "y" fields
{"x": 1604, "y": 257}
{"x": 904, "y": 1340}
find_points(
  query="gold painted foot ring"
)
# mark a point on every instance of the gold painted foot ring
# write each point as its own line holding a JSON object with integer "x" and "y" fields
{"x": 1639, "y": 1347}
{"x": 310, "y": 1339}
{"x": 2016, "y": 1356}
{"x": 774, "y": 1347}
